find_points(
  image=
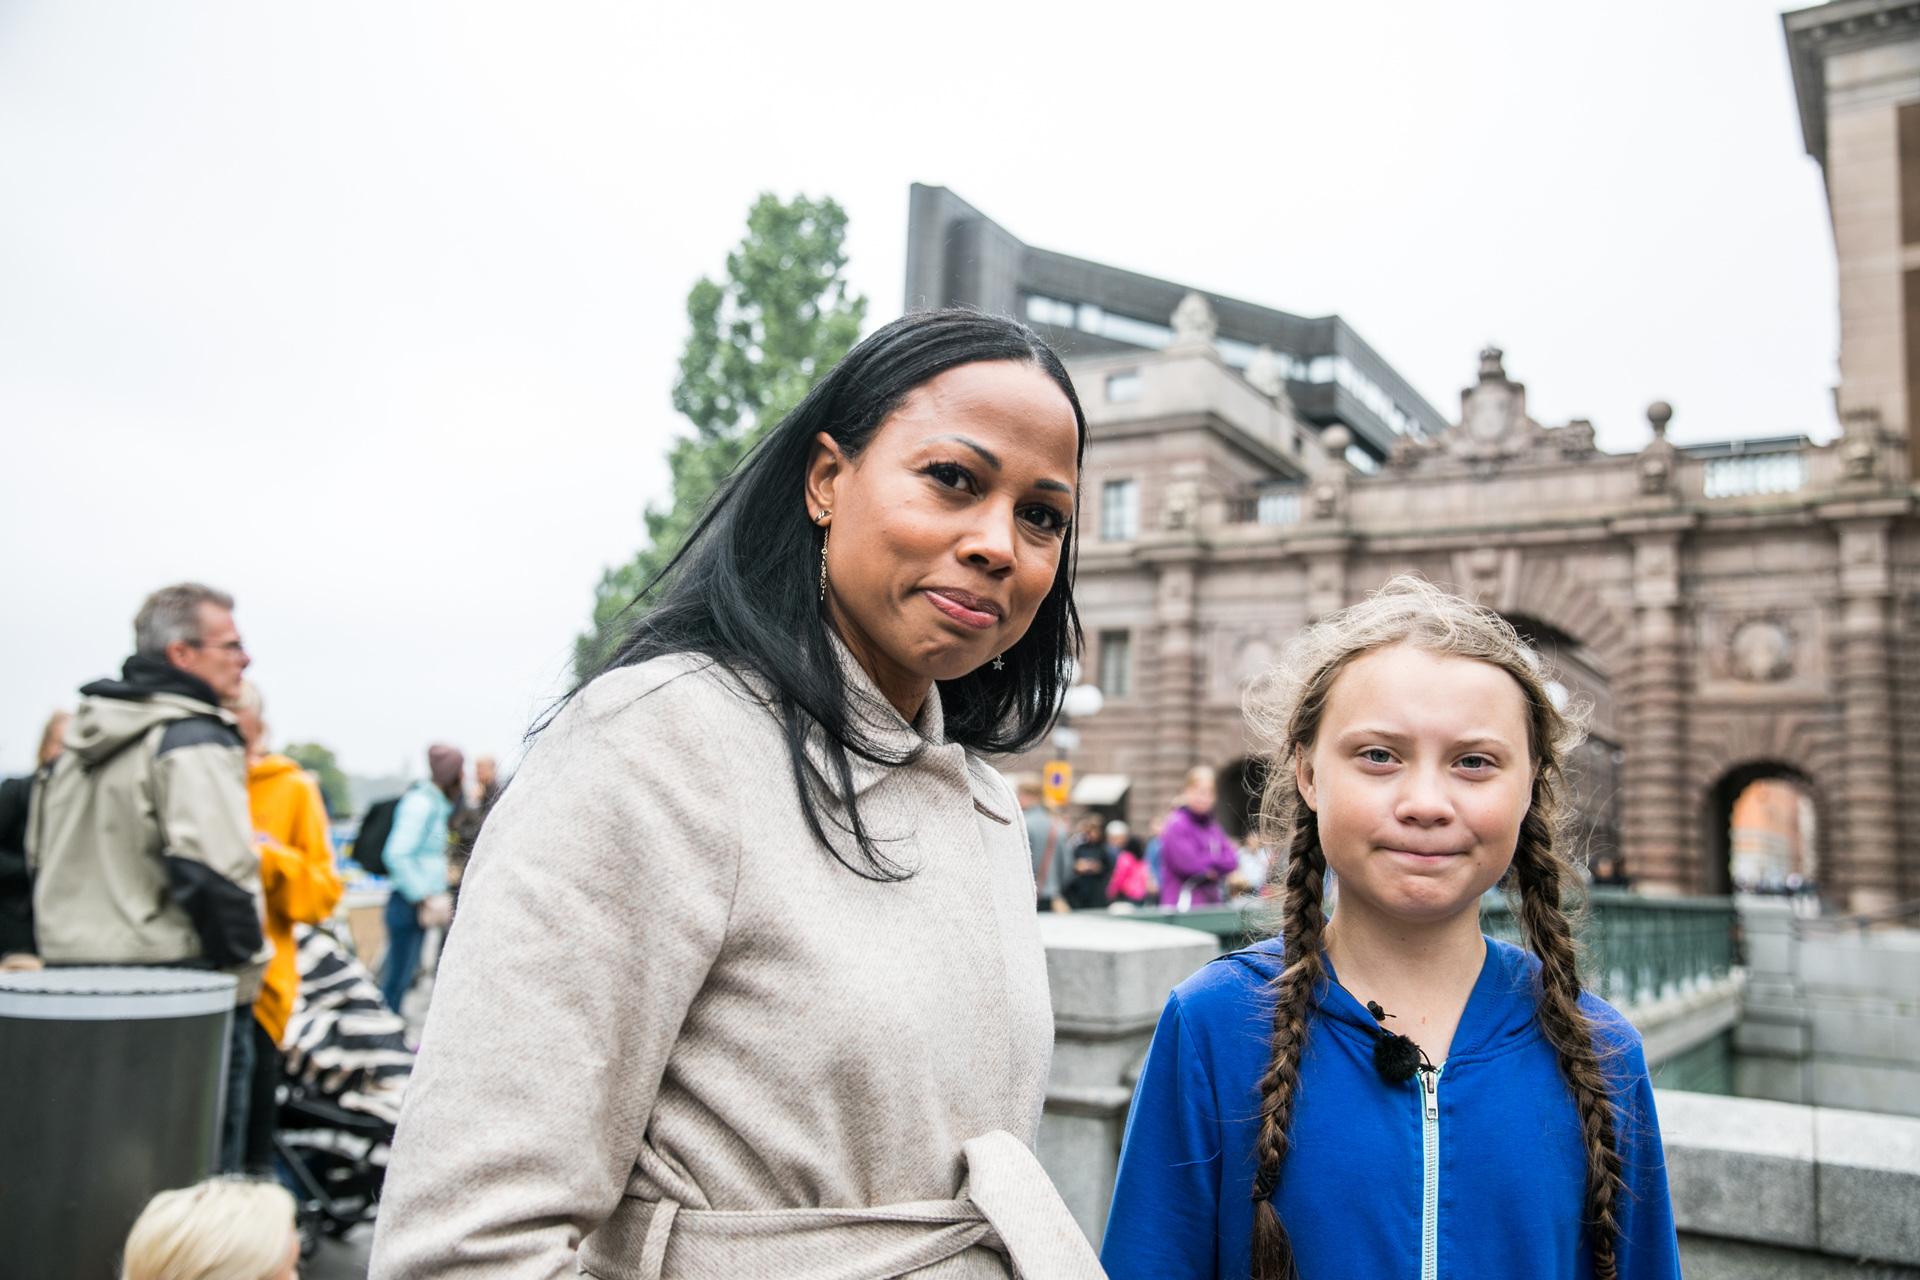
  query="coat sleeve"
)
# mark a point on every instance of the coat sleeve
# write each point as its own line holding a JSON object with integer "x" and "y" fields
{"x": 295, "y": 888}
{"x": 314, "y": 843}
{"x": 596, "y": 902}
{"x": 213, "y": 871}
{"x": 1166, "y": 1196}
{"x": 1226, "y": 859}
{"x": 1649, "y": 1248}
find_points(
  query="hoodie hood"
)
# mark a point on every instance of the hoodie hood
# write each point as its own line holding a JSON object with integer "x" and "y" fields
{"x": 271, "y": 766}
{"x": 114, "y": 714}
{"x": 1499, "y": 1013}
{"x": 142, "y": 677}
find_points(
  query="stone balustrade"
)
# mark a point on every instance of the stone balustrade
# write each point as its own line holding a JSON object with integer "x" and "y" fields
{"x": 1765, "y": 1189}
{"x": 1831, "y": 1017}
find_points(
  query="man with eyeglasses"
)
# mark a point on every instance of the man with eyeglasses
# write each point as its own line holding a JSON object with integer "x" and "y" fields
{"x": 140, "y": 839}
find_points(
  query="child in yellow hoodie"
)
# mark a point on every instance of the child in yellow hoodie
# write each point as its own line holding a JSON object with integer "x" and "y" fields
{"x": 300, "y": 886}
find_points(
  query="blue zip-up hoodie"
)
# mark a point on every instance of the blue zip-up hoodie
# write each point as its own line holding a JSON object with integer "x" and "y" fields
{"x": 1491, "y": 1186}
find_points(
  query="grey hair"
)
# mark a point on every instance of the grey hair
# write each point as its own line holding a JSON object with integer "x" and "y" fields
{"x": 173, "y": 613}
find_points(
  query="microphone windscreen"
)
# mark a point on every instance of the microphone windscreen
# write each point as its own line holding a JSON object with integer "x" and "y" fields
{"x": 1396, "y": 1058}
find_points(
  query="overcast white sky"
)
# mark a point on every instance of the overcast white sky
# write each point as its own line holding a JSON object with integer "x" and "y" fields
{"x": 369, "y": 313}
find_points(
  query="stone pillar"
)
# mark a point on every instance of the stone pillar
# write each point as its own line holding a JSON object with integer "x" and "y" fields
{"x": 1772, "y": 1041}
{"x": 1110, "y": 979}
{"x": 1175, "y": 691}
{"x": 1657, "y": 820}
{"x": 1326, "y": 577}
{"x": 1865, "y": 873}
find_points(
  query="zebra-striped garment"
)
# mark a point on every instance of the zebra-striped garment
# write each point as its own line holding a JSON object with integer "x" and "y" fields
{"x": 342, "y": 1040}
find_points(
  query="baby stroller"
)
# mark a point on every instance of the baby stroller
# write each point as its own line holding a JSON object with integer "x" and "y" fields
{"x": 347, "y": 1064}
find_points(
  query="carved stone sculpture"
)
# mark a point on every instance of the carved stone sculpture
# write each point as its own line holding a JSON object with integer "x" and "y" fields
{"x": 1265, "y": 375}
{"x": 1760, "y": 651}
{"x": 1656, "y": 460}
{"x": 1194, "y": 324}
{"x": 1181, "y": 507}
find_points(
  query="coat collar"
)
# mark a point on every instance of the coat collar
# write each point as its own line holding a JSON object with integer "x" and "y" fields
{"x": 881, "y": 725}
{"x": 874, "y": 721}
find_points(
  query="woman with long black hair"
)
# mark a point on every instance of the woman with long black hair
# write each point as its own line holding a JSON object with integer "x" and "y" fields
{"x": 747, "y": 981}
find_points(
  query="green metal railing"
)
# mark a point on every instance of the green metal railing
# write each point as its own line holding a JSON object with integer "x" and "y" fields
{"x": 1634, "y": 949}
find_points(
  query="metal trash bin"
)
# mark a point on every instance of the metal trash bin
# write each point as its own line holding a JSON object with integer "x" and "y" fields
{"x": 112, "y": 1083}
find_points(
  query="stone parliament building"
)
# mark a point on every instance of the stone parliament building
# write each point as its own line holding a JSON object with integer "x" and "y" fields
{"x": 1732, "y": 612}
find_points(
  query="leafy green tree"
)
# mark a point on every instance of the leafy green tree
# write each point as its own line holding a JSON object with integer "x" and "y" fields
{"x": 759, "y": 339}
{"x": 334, "y": 790}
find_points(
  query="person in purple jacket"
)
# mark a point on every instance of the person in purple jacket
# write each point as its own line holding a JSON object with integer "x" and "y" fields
{"x": 1196, "y": 856}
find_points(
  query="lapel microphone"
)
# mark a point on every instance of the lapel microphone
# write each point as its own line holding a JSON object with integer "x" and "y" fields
{"x": 1395, "y": 1057}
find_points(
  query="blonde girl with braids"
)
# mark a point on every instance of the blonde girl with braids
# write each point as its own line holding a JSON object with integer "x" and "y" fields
{"x": 1386, "y": 1092}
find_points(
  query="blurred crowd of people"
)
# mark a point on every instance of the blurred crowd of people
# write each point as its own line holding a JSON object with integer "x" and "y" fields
{"x": 158, "y": 828}
{"x": 1187, "y": 859}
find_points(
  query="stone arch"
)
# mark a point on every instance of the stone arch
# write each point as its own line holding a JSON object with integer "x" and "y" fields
{"x": 1716, "y": 811}
{"x": 1544, "y": 590}
{"x": 1729, "y": 753}
{"x": 1514, "y": 585}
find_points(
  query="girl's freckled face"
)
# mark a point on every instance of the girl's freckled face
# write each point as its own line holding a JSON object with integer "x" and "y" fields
{"x": 1419, "y": 778}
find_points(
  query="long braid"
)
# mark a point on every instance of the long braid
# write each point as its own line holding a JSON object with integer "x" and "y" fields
{"x": 1305, "y": 925}
{"x": 1541, "y": 881}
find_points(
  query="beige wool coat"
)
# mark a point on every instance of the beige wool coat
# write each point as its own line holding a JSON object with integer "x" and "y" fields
{"x": 673, "y": 1037}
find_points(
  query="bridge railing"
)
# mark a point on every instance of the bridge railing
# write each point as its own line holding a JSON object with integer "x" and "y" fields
{"x": 1634, "y": 949}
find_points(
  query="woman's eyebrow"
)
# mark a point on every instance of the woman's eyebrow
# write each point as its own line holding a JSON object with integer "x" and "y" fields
{"x": 992, "y": 459}
{"x": 987, "y": 455}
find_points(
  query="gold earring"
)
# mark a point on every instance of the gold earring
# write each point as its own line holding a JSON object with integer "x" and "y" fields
{"x": 825, "y": 536}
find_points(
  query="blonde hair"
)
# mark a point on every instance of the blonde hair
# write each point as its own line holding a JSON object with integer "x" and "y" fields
{"x": 249, "y": 699}
{"x": 220, "y": 1229}
{"x": 53, "y": 738}
{"x": 1286, "y": 709}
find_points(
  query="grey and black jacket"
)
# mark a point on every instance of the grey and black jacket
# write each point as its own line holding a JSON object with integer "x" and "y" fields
{"x": 140, "y": 840}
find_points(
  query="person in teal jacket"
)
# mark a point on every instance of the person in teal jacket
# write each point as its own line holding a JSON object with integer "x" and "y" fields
{"x": 1388, "y": 1092}
{"x": 416, "y": 858}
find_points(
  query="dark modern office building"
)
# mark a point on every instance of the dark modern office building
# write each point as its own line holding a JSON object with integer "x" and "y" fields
{"x": 957, "y": 255}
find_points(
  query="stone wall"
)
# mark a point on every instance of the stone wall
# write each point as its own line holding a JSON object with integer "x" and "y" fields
{"x": 1766, "y": 1189}
{"x": 1830, "y": 1018}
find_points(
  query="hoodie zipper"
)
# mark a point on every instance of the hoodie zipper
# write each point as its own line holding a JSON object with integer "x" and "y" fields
{"x": 1430, "y": 1172}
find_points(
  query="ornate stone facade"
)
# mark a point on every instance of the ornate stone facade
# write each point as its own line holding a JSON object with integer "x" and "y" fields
{"x": 1856, "y": 76}
{"x": 1729, "y": 611}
